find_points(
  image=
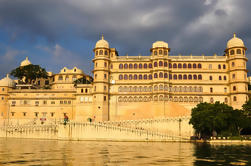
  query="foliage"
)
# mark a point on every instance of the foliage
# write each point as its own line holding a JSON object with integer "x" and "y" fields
{"x": 29, "y": 73}
{"x": 220, "y": 118}
{"x": 247, "y": 108}
{"x": 83, "y": 80}
{"x": 249, "y": 87}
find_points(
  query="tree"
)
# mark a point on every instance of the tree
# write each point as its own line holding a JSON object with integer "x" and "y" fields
{"x": 30, "y": 73}
{"x": 82, "y": 80}
{"x": 247, "y": 108}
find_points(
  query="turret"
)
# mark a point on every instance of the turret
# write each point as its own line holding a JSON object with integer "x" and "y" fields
{"x": 238, "y": 83}
{"x": 101, "y": 80}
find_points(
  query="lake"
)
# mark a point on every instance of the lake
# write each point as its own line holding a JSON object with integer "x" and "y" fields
{"x": 52, "y": 152}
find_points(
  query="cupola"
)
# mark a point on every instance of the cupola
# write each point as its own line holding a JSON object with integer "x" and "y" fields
{"x": 25, "y": 62}
{"x": 7, "y": 82}
{"x": 235, "y": 42}
{"x": 102, "y": 43}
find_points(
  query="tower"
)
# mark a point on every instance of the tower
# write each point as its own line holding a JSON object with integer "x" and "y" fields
{"x": 101, "y": 80}
{"x": 160, "y": 72}
{"x": 238, "y": 83}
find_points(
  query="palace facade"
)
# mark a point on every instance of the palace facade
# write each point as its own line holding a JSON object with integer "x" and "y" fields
{"x": 132, "y": 87}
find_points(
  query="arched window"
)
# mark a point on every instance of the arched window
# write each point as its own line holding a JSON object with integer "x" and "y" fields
{"x": 155, "y": 75}
{"x": 225, "y": 77}
{"x": 196, "y": 99}
{"x": 190, "y": 99}
{"x": 185, "y": 99}
{"x": 145, "y": 76}
{"x": 135, "y": 66}
{"x": 220, "y": 78}
{"x": 160, "y": 75}
{"x": 234, "y": 88}
{"x": 201, "y": 99}
{"x": 101, "y": 52}
{"x": 180, "y": 77}
{"x": 111, "y": 66}
{"x": 238, "y": 51}
{"x": 165, "y": 52}
{"x": 189, "y": 76}
{"x": 130, "y": 77}
{"x": 106, "y": 52}
{"x": 120, "y": 77}
{"x": 219, "y": 66}
{"x": 226, "y": 100}
{"x": 135, "y": 77}
{"x": 150, "y": 76}
{"x": 199, "y": 77}
{"x": 120, "y": 89}
{"x": 125, "y": 66}
{"x": 150, "y": 65}
{"x": 160, "y": 52}
{"x": 174, "y": 65}
{"x": 184, "y": 66}
{"x": 161, "y": 98}
{"x": 155, "y": 64}
{"x": 211, "y": 78}
{"x": 140, "y": 77}
{"x": 170, "y": 65}
{"x": 170, "y": 76}
{"x": 145, "y": 66}
{"x": 233, "y": 64}
{"x": 130, "y": 66}
{"x": 125, "y": 77}
{"x": 120, "y": 66}
{"x": 155, "y": 98}
{"x": 224, "y": 66}
{"x": 140, "y": 66}
{"x": 195, "y": 77}
{"x": 194, "y": 66}
{"x": 155, "y": 88}
{"x": 175, "y": 77}
{"x": 211, "y": 100}
{"x": 232, "y": 52}
{"x": 165, "y": 64}
{"x": 96, "y": 52}
{"x": 165, "y": 75}
{"x": 120, "y": 99}
{"x": 155, "y": 52}
{"x": 60, "y": 78}
{"x": 160, "y": 63}
{"x": 179, "y": 66}
{"x": 185, "y": 77}
{"x": 233, "y": 76}
{"x": 161, "y": 87}
{"x": 189, "y": 66}
{"x": 235, "y": 98}
{"x": 199, "y": 66}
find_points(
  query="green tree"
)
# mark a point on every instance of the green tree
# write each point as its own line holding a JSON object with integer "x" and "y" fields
{"x": 82, "y": 80}
{"x": 30, "y": 73}
{"x": 247, "y": 108}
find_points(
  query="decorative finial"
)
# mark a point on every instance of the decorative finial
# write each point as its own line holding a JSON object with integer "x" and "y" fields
{"x": 102, "y": 36}
{"x": 7, "y": 75}
{"x": 26, "y": 58}
{"x": 234, "y": 35}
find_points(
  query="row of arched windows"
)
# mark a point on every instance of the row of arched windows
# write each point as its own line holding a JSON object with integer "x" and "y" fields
{"x": 160, "y": 75}
{"x": 101, "y": 52}
{"x": 160, "y": 88}
{"x": 238, "y": 51}
{"x": 160, "y": 64}
{"x": 159, "y": 98}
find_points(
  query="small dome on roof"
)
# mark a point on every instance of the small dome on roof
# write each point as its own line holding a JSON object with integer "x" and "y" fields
{"x": 75, "y": 70}
{"x": 7, "y": 82}
{"x": 25, "y": 62}
{"x": 235, "y": 42}
{"x": 102, "y": 43}
{"x": 158, "y": 44}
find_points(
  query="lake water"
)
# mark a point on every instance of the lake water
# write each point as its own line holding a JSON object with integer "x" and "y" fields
{"x": 50, "y": 152}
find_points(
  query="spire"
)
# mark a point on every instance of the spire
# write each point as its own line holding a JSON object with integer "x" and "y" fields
{"x": 7, "y": 75}
{"x": 234, "y": 35}
{"x": 102, "y": 37}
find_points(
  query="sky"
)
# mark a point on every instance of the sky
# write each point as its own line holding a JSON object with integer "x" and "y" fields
{"x": 59, "y": 33}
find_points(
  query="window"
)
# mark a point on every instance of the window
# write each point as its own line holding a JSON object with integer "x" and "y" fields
{"x": 125, "y": 77}
{"x": 184, "y": 77}
{"x": 220, "y": 78}
{"x": 140, "y": 77}
{"x": 211, "y": 90}
{"x": 174, "y": 65}
{"x": 95, "y": 88}
{"x": 235, "y": 98}
{"x": 225, "y": 90}
{"x": 140, "y": 66}
{"x": 179, "y": 66}
{"x": 211, "y": 100}
{"x": 189, "y": 66}
{"x": 165, "y": 52}
{"x": 232, "y": 52}
{"x": 155, "y": 75}
{"x": 225, "y": 100}
{"x": 194, "y": 66}
{"x": 180, "y": 77}
{"x": 101, "y": 52}
{"x": 210, "y": 66}
{"x": 219, "y": 66}
{"x": 160, "y": 75}
{"x": 175, "y": 77}
{"x": 170, "y": 76}
{"x": 105, "y": 76}
{"x": 170, "y": 65}
{"x": 184, "y": 66}
{"x": 224, "y": 66}
{"x": 150, "y": 65}
{"x": 225, "y": 77}
{"x": 36, "y": 114}
{"x": 45, "y": 102}
{"x": 165, "y": 75}
{"x": 12, "y": 113}
{"x": 234, "y": 88}
{"x": 60, "y": 78}
{"x": 52, "y": 102}
{"x": 155, "y": 52}
{"x": 160, "y": 52}
{"x": 120, "y": 77}
{"x": 189, "y": 76}
{"x": 135, "y": 66}
{"x": 135, "y": 77}
{"x": 233, "y": 76}
{"x": 238, "y": 51}
{"x": 24, "y": 113}
{"x": 160, "y": 63}
{"x": 104, "y": 98}
{"x": 145, "y": 77}
{"x": 52, "y": 114}
{"x": 38, "y": 83}
{"x": 120, "y": 66}
{"x": 36, "y": 103}
{"x": 195, "y": 77}
{"x": 199, "y": 77}
{"x": 96, "y": 52}
{"x": 96, "y": 64}
{"x": 130, "y": 77}
{"x": 105, "y": 64}
{"x": 233, "y": 64}
{"x": 155, "y": 64}
{"x": 2, "y": 98}
{"x": 105, "y": 52}
{"x": 210, "y": 78}
{"x": 145, "y": 66}
{"x": 150, "y": 76}
{"x": 111, "y": 66}
{"x": 2, "y": 89}
{"x": 104, "y": 88}
{"x": 125, "y": 66}
{"x": 165, "y": 64}
{"x": 199, "y": 66}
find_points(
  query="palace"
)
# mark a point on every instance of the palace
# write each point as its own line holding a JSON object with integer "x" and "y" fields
{"x": 131, "y": 87}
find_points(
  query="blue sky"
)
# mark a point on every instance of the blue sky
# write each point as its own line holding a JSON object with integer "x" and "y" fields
{"x": 58, "y": 33}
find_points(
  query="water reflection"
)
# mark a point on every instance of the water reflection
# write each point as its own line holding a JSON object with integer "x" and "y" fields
{"x": 50, "y": 152}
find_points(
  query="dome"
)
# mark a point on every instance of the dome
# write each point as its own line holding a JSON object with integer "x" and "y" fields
{"x": 25, "y": 62}
{"x": 7, "y": 82}
{"x": 102, "y": 43}
{"x": 160, "y": 44}
{"x": 235, "y": 42}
